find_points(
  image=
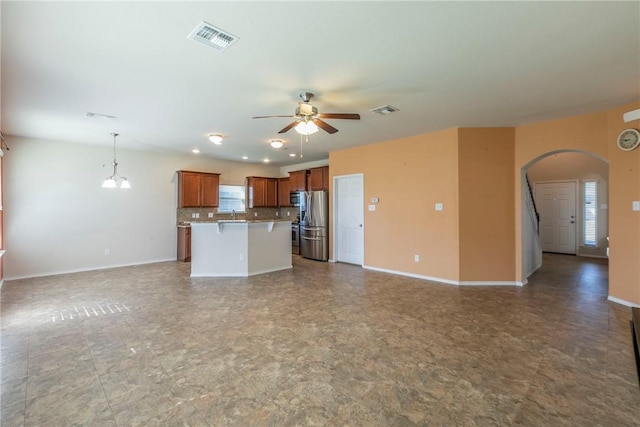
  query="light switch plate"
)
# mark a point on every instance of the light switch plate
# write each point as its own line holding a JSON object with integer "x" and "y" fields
{"x": 635, "y": 205}
{"x": 439, "y": 206}
{"x": 372, "y": 208}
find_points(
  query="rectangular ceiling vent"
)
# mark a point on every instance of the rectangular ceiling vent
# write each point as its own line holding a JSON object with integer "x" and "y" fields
{"x": 384, "y": 110}
{"x": 212, "y": 37}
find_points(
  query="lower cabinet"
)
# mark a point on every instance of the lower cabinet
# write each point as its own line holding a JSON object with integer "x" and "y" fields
{"x": 184, "y": 244}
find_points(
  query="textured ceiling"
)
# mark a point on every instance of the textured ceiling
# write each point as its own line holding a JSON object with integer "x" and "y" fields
{"x": 442, "y": 64}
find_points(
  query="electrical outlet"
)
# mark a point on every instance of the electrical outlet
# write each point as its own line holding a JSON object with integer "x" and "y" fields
{"x": 197, "y": 215}
{"x": 288, "y": 213}
{"x": 255, "y": 214}
{"x": 241, "y": 257}
{"x": 210, "y": 214}
{"x": 439, "y": 206}
{"x": 193, "y": 215}
{"x": 277, "y": 214}
{"x": 635, "y": 205}
{"x": 107, "y": 251}
{"x": 416, "y": 258}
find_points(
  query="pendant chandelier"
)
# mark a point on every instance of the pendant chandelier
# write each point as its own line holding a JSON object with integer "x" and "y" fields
{"x": 113, "y": 180}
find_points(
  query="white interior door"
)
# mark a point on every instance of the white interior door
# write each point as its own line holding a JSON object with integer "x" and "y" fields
{"x": 556, "y": 202}
{"x": 348, "y": 223}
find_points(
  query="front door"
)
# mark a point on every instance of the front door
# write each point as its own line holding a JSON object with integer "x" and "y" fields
{"x": 349, "y": 236}
{"x": 556, "y": 203}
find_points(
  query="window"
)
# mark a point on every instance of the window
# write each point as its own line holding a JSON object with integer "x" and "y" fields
{"x": 231, "y": 198}
{"x": 590, "y": 214}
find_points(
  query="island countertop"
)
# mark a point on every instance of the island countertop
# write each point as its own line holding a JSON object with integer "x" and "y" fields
{"x": 240, "y": 221}
{"x": 240, "y": 248}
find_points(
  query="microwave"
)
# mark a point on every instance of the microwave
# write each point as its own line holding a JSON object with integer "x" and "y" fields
{"x": 294, "y": 198}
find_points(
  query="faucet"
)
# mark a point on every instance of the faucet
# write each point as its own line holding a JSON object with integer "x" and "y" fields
{"x": 233, "y": 214}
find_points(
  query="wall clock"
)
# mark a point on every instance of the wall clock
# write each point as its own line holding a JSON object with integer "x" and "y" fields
{"x": 628, "y": 139}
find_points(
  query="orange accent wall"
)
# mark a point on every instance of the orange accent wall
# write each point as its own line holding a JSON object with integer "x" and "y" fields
{"x": 476, "y": 173}
{"x": 408, "y": 176}
{"x": 595, "y": 134}
{"x": 486, "y": 200}
{"x": 624, "y": 225}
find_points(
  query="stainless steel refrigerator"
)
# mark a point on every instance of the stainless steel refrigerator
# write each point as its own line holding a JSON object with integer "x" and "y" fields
{"x": 314, "y": 225}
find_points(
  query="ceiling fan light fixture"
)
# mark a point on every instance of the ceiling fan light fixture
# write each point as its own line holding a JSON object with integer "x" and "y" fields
{"x": 306, "y": 128}
{"x": 216, "y": 138}
{"x": 276, "y": 143}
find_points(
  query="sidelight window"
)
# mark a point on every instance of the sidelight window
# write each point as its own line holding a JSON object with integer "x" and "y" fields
{"x": 590, "y": 214}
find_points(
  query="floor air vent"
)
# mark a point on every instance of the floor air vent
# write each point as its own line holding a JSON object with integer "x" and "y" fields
{"x": 212, "y": 37}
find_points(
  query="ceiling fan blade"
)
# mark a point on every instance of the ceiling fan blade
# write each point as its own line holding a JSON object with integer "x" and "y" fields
{"x": 267, "y": 117}
{"x": 325, "y": 126}
{"x": 289, "y": 126}
{"x": 350, "y": 116}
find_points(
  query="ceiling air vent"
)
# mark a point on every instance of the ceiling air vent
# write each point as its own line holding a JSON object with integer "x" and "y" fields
{"x": 384, "y": 110}
{"x": 211, "y": 36}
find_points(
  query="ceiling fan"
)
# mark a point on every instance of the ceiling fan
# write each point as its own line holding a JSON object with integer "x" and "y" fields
{"x": 306, "y": 116}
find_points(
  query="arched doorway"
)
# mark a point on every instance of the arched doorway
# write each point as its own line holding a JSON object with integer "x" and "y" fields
{"x": 590, "y": 173}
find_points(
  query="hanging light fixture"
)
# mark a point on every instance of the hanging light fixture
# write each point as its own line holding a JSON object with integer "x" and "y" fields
{"x": 112, "y": 181}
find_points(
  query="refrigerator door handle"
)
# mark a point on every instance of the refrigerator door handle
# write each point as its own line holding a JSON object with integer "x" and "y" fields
{"x": 311, "y": 238}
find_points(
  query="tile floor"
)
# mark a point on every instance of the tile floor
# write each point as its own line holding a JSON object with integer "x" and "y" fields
{"x": 323, "y": 344}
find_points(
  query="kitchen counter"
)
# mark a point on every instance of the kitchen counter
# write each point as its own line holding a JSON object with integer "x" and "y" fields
{"x": 250, "y": 221}
{"x": 239, "y": 248}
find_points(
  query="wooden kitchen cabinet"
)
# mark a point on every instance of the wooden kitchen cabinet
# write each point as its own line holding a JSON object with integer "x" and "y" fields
{"x": 262, "y": 192}
{"x": 318, "y": 179}
{"x": 198, "y": 189}
{"x": 184, "y": 244}
{"x": 298, "y": 180}
{"x": 283, "y": 193}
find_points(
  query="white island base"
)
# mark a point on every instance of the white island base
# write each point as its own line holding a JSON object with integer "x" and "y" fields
{"x": 243, "y": 248}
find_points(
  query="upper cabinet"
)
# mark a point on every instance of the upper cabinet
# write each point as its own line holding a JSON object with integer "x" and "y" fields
{"x": 318, "y": 179}
{"x": 283, "y": 192}
{"x": 262, "y": 192}
{"x": 298, "y": 180}
{"x": 198, "y": 189}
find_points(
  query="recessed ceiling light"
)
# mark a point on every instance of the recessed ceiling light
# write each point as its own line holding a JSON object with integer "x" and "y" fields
{"x": 195, "y": 151}
{"x": 266, "y": 160}
{"x": 245, "y": 158}
{"x": 216, "y": 138}
{"x": 292, "y": 154}
{"x": 276, "y": 143}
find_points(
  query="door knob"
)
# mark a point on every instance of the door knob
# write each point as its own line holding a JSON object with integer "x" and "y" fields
{"x": 573, "y": 222}
{"x": 360, "y": 225}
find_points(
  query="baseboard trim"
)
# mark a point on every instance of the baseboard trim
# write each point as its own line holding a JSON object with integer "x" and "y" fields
{"x": 415, "y": 276}
{"x": 82, "y": 270}
{"x": 622, "y": 302}
{"x": 446, "y": 281}
{"x": 490, "y": 283}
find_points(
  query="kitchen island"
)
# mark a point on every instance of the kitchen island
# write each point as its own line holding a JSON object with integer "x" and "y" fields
{"x": 240, "y": 248}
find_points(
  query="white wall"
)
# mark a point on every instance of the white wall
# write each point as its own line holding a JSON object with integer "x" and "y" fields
{"x": 57, "y": 217}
